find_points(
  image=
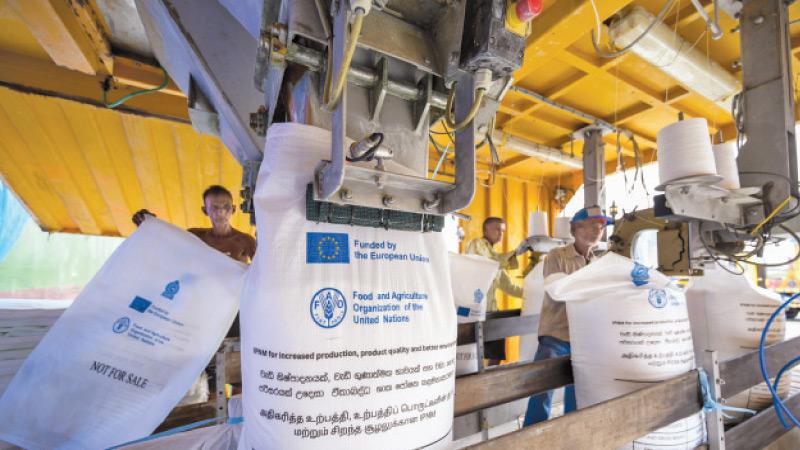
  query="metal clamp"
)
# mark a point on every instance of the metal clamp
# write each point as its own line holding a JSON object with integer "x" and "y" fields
{"x": 714, "y": 421}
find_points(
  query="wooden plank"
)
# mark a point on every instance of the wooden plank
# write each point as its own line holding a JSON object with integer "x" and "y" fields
{"x": 761, "y": 430}
{"x": 744, "y": 371}
{"x": 183, "y": 415}
{"x": 508, "y": 383}
{"x": 512, "y": 326}
{"x": 611, "y": 423}
{"x": 478, "y": 391}
{"x": 497, "y": 329}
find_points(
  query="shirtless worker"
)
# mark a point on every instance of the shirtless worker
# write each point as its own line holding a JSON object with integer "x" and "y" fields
{"x": 218, "y": 206}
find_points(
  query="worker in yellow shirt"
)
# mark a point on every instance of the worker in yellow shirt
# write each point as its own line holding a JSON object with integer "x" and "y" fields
{"x": 493, "y": 230}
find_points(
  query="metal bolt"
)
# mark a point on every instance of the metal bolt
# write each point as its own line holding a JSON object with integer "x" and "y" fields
{"x": 378, "y": 181}
{"x": 758, "y": 20}
{"x": 345, "y": 194}
{"x": 388, "y": 201}
{"x": 736, "y": 65}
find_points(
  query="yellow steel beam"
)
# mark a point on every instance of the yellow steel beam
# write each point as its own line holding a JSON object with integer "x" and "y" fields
{"x": 42, "y": 77}
{"x": 638, "y": 110}
{"x": 588, "y": 71}
{"x": 137, "y": 74}
{"x": 647, "y": 95}
{"x": 70, "y": 31}
{"x": 559, "y": 26}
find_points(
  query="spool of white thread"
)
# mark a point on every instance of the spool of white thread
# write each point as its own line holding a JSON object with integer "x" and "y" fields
{"x": 725, "y": 159}
{"x": 537, "y": 225}
{"x": 561, "y": 228}
{"x": 684, "y": 150}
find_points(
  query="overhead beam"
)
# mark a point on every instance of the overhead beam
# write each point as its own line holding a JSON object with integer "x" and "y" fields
{"x": 647, "y": 95}
{"x": 566, "y": 87}
{"x": 130, "y": 72}
{"x": 559, "y": 26}
{"x": 70, "y": 31}
{"x": 34, "y": 75}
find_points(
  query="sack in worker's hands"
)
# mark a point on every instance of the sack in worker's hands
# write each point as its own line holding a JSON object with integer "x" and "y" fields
{"x": 532, "y": 306}
{"x": 348, "y": 333}
{"x": 629, "y": 327}
{"x": 121, "y": 357}
{"x": 471, "y": 277}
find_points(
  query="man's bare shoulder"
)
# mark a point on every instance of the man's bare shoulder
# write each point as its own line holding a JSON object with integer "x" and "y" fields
{"x": 199, "y": 232}
{"x": 243, "y": 236}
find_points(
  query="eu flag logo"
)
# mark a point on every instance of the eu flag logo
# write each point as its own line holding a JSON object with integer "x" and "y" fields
{"x": 140, "y": 304}
{"x": 327, "y": 248}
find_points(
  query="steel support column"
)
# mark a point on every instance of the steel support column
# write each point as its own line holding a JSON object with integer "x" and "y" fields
{"x": 594, "y": 168}
{"x": 768, "y": 158}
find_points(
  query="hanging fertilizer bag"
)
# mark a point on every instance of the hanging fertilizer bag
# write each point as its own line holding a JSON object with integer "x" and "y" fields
{"x": 532, "y": 306}
{"x": 728, "y": 313}
{"x": 471, "y": 279}
{"x": 128, "y": 348}
{"x": 348, "y": 333}
{"x": 628, "y": 327}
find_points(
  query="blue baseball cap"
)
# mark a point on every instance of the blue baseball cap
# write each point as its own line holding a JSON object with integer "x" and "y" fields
{"x": 593, "y": 213}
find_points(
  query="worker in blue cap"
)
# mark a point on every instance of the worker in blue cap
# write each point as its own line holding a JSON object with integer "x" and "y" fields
{"x": 587, "y": 227}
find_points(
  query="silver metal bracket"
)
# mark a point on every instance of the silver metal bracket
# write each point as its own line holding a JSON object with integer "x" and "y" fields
{"x": 228, "y": 345}
{"x": 328, "y": 178}
{"x": 714, "y": 421}
{"x": 373, "y": 188}
{"x": 377, "y": 94}
{"x": 483, "y": 421}
{"x": 604, "y": 129}
{"x": 708, "y": 202}
{"x": 461, "y": 196}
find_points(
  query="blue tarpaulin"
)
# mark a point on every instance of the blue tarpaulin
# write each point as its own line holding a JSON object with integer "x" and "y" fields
{"x": 13, "y": 218}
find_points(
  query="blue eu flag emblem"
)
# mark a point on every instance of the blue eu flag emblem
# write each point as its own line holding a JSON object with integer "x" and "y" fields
{"x": 327, "y": 248}
{"x": 140, "y": 304}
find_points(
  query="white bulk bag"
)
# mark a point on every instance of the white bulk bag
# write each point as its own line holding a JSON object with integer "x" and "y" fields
{"x": 348, "y": 333}
{"x": 119, "y": 359}
{"x": 532, "y": 306}
{"x": 471, "y": 277}
{"x": 728, "y": 313}
{"x": 624, "y": 336}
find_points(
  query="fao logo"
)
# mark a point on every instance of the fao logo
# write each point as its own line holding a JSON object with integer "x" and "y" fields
{"x": 477, "y": 296}
{"x": 328, "y": 307}
{"x": 657, "y": 298}
{"x": 121, "y": 325}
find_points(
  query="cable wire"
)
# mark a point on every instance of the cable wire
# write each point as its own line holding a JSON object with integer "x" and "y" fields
{"x": 352, "y": 41}
{"x": 771, "y": 215}
{"x": 112, "y": 105}
{"x": 449, "y": 116}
